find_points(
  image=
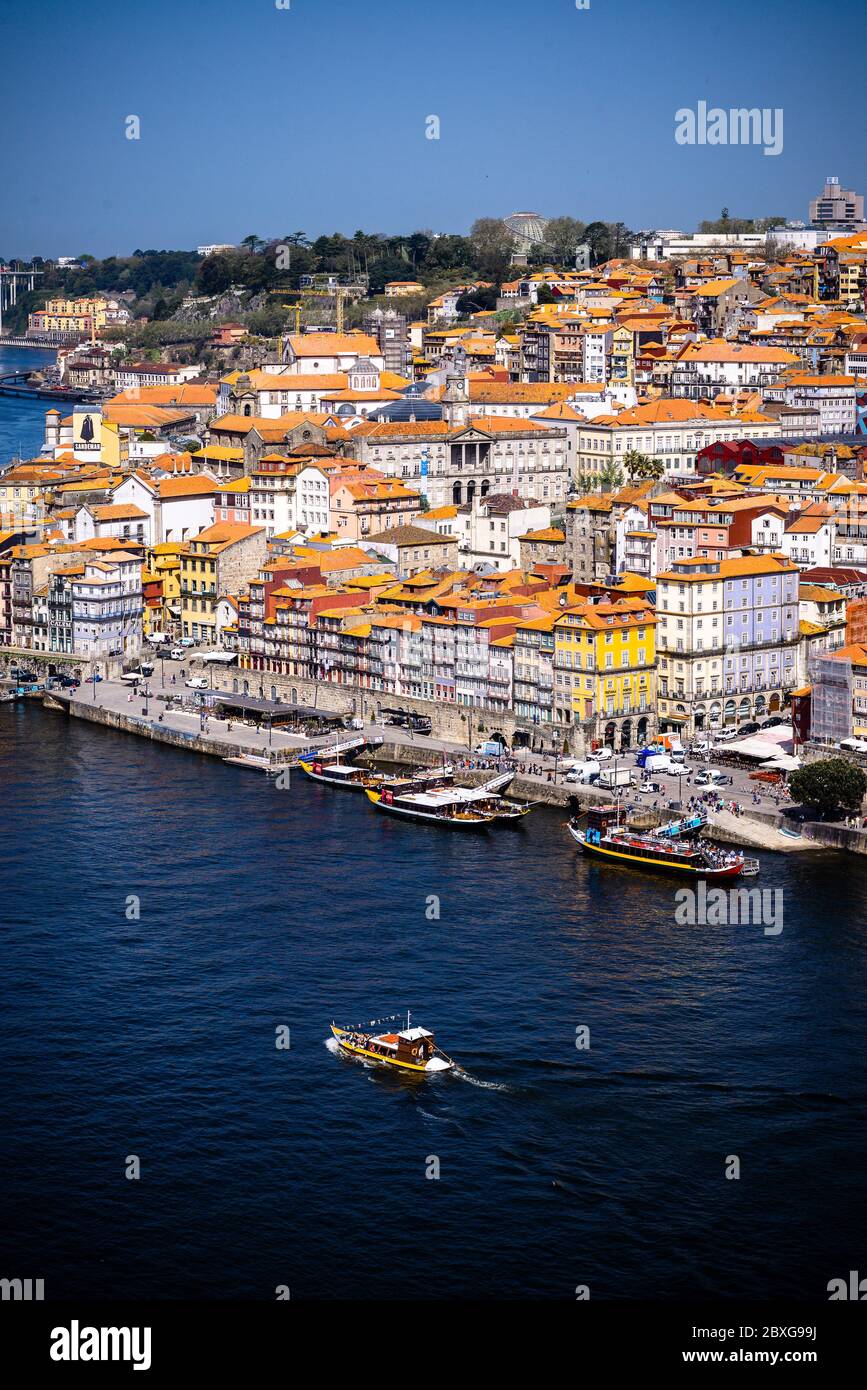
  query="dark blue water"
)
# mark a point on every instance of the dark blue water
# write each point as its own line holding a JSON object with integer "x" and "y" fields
{"x": 22, "y": 423}
{"x": 260, "y": 1167}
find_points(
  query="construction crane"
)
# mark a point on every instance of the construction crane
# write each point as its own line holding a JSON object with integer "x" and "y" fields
{"x": 293, "y": 305}
{"x": 341, "y": 294}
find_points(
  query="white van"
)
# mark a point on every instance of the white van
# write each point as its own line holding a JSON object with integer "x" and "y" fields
{"x": 582, "y": 772}
{"x": 658, "y": 762}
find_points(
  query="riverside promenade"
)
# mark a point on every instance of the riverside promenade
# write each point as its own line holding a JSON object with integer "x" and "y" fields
{"x": 541, "y": 780}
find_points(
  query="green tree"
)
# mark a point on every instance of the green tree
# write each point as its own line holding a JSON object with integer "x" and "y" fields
{"x": 562, "y": 236}
{"x": 475, "y": 301}
{"x": 545, "y": 295}
{"x": 598, "y": 238}
{"x": 641, "y": 466}
{"x": 610, "y": 476}
{"x": 493, "y": 245}
{"x": 831, "y": 786}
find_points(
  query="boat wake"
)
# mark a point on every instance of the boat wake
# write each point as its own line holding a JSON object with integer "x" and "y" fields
{"x": 332, "y": 1045}
{"x": 477, "y": 1081}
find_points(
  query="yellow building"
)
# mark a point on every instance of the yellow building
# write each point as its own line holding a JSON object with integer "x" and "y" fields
{"x": 161, "y": 583}
{"x": 220, "y": 560}
{"x": 71, "y": 316}
{"x": 605, "y": 670}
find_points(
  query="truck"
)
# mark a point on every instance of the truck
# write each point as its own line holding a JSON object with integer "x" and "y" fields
{"x": 615, "y": 778}
{"x": 491, "y": 748}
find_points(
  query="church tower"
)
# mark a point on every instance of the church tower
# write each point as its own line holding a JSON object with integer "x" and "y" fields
{"x": 456, "y": 401}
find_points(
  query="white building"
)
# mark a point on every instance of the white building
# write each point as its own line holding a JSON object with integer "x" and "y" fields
{"x": 489, "y": 530}
{"x": 120, "y": 520}
{"x": 107, "y": 608}
{"x": 312, "y": 500}
{"x": 704, "y": 369}
{"x": 670, "y": 430}
{"x": 832, "y": 396}
{"x": 177, "y": 508}
{"x": 305, "y": 353}
{"x": 596, "y": 340}
{"x": 154, "y": 374}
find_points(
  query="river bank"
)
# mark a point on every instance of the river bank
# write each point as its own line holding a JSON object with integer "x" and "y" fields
{"x": 228, "y": 739}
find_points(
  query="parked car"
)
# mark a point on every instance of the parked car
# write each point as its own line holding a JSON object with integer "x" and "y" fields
{"x": 177, "y": 654}
{"x": 712, "y": 777}
{"x": 751, "y": 727}
{"x": 602, "y": 754}
{"x": 66, "y": 682}
{"x": 772, "y": 723}
{"x": 91, "y": 680}
{"x": 726, "y": 735}
{"x": 186, "y": 641}
{"x": 197, "y": 683}
{"x": 22, "y": 674}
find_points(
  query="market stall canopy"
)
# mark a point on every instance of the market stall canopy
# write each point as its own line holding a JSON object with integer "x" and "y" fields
{"x": 783, "y": 762}
{"x": 764, "y": 745}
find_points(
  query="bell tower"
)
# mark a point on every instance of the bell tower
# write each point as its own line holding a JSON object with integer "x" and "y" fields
{"x": 456, "y": 401}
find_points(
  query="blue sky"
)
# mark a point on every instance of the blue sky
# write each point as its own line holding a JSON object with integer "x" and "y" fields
{"x": 255, "y": 119}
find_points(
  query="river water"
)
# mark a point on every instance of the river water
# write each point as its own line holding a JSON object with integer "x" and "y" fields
{"x": 164, "y": 914}
{"x": 22, "y": 422}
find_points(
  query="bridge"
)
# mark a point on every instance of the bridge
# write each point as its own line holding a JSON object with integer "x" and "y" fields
{"x": 18, "y": 384}
{"x": 10, "y": 283}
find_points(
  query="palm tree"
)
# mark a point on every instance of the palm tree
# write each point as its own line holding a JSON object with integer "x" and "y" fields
{"x": 634, "y": 462}
{"x": 639, "y": 465}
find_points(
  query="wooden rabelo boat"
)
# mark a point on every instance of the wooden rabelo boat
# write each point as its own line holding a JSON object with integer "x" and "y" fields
{"x": 410, "y": 1048}
{"x": 604, "y": 838}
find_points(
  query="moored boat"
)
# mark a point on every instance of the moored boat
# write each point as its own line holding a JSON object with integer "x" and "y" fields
{"x": 338, "y": 774}
{"x": 605, "y": 839}
{"x": 410, "y": 1048}
{"x": 437, "y": 806}
{"x": 355, "y": 778}
{"x": 482, "y": 799}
